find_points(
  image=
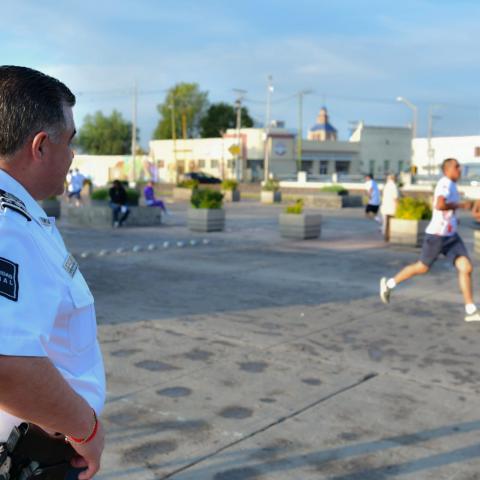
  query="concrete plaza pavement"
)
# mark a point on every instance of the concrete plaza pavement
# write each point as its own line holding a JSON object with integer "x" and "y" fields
{"x": 255, "y": 357}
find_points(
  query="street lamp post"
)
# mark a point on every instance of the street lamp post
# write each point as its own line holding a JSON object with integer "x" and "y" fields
{"x": 414, "y": 110}
{"x": 266, "y": 166}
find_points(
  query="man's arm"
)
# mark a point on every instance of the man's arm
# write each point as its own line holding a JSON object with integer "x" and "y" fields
{"x": 34, "y": 390}
{"x": 443, "y": 205}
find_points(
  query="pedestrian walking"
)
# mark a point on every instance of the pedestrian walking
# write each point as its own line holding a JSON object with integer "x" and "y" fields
{"x": 118, "y": 203}
{"x": 442, "y": 238}
{"x": 51, "y": 368}
{"x": 373, "y": 204}
{"x": 388, "y": 207}
{"x": 75, "y": 181}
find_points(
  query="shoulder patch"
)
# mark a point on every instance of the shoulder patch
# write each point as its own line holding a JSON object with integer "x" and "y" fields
{"x": 7, "y": 200}
{"x": 8, "y": 279}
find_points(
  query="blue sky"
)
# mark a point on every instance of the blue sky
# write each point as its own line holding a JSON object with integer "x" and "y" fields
{"x": 357, "y": 56}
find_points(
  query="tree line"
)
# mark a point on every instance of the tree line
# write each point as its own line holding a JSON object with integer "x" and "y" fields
{"x": 186, "y": 108}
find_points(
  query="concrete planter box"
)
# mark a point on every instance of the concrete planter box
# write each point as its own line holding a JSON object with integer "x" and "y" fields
{"x": 270, "y": 197}
{"x": 52, "y": 207}
{"x": 206, "y": 219}
{"x": 182, "y": 193}
{"x": 332, "y": 200}
{"x": 231, "y": 195}
{"x": 407, "y": 232}
{"x": 300, "y": 226}
{"x": 100, "y": 215}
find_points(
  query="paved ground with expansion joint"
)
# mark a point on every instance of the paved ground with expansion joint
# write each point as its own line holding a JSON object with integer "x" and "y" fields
{"x": 251, "y": 357}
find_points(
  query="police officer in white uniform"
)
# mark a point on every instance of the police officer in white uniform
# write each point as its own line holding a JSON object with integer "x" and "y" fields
{"x": 51, "y": 368}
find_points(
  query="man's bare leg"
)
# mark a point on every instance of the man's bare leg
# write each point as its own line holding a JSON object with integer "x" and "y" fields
{"x": 465, "y": 269}
{"x": 410, "y": 271}
{"x": 386, "y": 286}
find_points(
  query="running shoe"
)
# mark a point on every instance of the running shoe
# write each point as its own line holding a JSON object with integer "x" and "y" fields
{"x": 384, "y": 291}
{"x": 473, "y": 317}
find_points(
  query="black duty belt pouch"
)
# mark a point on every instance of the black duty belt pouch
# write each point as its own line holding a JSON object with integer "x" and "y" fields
{"x": 32, "y": 453}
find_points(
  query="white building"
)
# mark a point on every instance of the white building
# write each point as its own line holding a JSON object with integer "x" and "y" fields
{"x": 429, "y": 155}
{"x": 383, "y": 150}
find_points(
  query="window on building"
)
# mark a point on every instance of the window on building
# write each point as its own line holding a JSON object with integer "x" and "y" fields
{"x": 342, "y": 166}
{"x": 213, "y": 163}
{"x": 307, "y": 166}
{"x": 477, "y": 151}
{"x": 160, "y": 163}
{"x": 324, "y": 167}
{"x": 229, "y": 163}
{"x": 386, "y": 166}
{"x": 401, "y": 166}
{"x": 371, "y": 166}
{"x": 201, "y": 164}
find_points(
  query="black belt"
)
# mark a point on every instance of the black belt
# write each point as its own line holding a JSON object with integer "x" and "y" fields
{"x": 32, "y": 453}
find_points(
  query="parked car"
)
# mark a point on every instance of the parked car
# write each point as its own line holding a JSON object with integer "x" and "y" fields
{"x": 201, "y": 177}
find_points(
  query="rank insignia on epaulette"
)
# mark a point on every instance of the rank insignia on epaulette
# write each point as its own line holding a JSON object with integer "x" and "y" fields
{"x": 7, "y": 200}
{"x": 70, "y": 265}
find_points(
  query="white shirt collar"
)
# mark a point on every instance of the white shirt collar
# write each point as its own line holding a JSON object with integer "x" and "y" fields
{"x": 10, "y": 185}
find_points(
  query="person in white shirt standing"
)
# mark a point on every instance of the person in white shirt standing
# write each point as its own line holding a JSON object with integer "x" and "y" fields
{"x": 442, "y": 238}
{"x": 388, "y": 207}
{"x": 371, "y": 210}
{"x": 51, "y": 368}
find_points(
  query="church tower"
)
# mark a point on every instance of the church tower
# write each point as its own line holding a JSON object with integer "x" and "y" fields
{"x": 323, "y": 130}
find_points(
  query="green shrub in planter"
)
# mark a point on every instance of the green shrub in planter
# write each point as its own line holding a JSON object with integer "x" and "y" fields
{"x": 132, "y": 196}
{"x": 229, "y": 185}
{"x": 271, "y": 185}
{"x": 191, "y": 184}
{"x": 206, "y": 198}
{"x": 413, "y": 209}
{"x": 296, "y": 208}
{"x": 100, "y": 194}
{"x": 338, "y": 189}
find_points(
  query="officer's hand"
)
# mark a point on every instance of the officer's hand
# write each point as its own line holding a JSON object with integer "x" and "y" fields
{"x": 89, "y": 454}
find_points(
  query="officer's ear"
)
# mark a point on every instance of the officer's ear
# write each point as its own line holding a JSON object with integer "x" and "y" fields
{"x": 39, "y": 145}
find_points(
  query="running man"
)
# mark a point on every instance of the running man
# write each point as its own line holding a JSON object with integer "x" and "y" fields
{"x": 442, "y": 238}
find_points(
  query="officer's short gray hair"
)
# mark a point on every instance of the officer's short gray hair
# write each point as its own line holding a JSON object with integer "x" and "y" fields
{"x": 30, "y": 102}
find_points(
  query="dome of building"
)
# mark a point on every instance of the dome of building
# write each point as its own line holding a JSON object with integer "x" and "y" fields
{"x": 323, "y": 130}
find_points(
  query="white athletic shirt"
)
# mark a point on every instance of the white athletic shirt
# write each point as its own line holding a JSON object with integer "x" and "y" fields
{"x": 374, "y": 196}
{"x": 46, "y": 308}
{"x": 444, "y": 222}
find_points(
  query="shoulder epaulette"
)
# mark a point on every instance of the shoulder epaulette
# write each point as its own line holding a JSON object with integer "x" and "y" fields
{"x": 7, "y": 200}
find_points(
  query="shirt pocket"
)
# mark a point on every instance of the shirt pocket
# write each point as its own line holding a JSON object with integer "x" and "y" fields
{"x": 82, "y": 328}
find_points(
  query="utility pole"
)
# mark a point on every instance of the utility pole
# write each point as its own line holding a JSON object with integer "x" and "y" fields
{"x": 238, "y": 104}
{"x": 414, "y": 110}
{"x": 174, "y": 137}
{"x": 266, "y": 166}
{"x": 300, "y": 127}
{"x": 134, "y": 131}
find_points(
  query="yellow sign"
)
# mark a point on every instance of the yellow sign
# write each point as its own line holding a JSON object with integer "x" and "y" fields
{"x": 234, "y": 150}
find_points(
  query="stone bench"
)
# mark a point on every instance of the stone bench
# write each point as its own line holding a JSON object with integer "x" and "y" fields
{"x": 101, "y": 216}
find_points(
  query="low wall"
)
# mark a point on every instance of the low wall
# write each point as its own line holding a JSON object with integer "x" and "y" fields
{"x": 101, "y": 216}
{"x": 326, "y": 200}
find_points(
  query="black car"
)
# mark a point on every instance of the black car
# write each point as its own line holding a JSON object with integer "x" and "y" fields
{"x": 201, "y": 177}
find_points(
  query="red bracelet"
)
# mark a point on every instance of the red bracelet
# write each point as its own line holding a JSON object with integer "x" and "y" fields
{"x": 88, "y": 438}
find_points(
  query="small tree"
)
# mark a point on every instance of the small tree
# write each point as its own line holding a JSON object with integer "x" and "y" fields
{"x": 105, "y": 135}
{"x": 221, "y": 116}
{"x": 189, "y": 104}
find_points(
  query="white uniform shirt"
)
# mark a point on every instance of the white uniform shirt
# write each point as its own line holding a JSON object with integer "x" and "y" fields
{"x": 389, "y": 199}
{"x": 374, "y": 195}
{"x": 46, "y": 308}
{"x": 444, "y": 222}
